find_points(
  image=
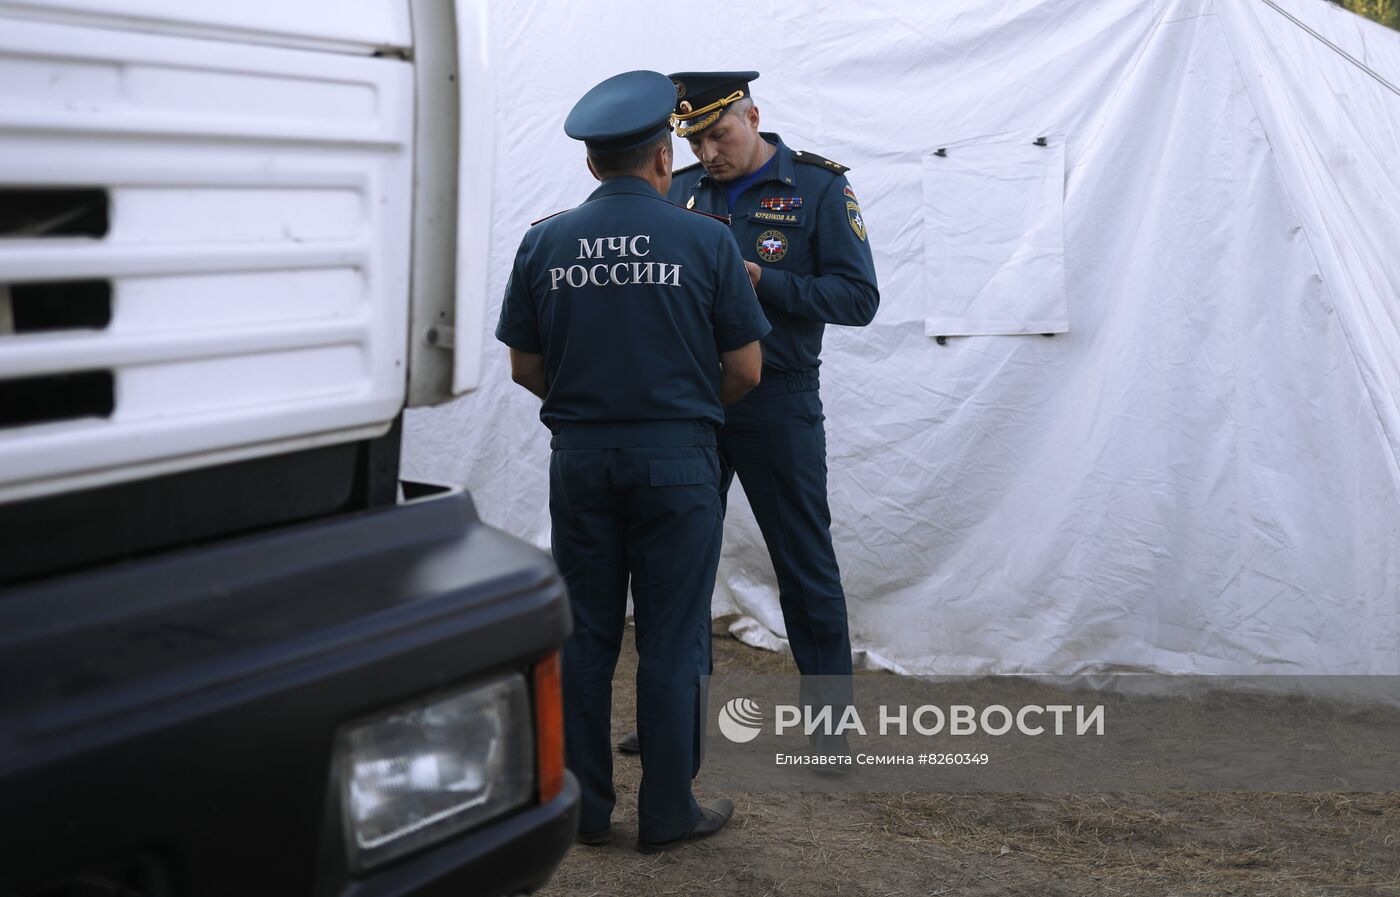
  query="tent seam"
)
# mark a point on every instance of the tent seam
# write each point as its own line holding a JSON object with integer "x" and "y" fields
{"x": 1126, "y": 76}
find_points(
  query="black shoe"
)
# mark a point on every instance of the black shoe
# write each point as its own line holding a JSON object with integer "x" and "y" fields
{"x": 713, "y": 817}
{"x": 629, "y": 744}
{"x": 835, "y": 748}
{"x": 839, "y": 771}
{"x": 593, "y": 839}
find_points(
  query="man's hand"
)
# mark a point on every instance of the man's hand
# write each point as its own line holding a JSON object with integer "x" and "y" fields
{"x": 527, "y": 369}
{"x": 742, "y": 369}
{"x": 755, "y": 272}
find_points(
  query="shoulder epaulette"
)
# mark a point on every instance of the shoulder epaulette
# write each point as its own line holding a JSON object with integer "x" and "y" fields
{"x": 680, "y": 171}
{"x": 807, "y": 158}
{"x": 547, "y": 217}
{"x": 722, "y": 218}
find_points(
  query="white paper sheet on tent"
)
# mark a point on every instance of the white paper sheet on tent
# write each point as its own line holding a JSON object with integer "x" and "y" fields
{"x": 994, "y": 252}
{"x": 1199, "y": 476}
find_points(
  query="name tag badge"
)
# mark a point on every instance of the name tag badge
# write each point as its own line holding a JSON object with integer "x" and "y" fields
{"x": 787, "y": 219}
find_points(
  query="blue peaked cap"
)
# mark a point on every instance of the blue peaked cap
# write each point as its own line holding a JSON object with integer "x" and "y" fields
{"x": 623, "y": 112}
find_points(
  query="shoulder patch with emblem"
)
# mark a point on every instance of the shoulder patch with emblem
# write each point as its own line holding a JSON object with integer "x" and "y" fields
{"x": 853, "y": 214}
{"x": 547, "y": 217}
{"x": 722, "y": 218}
{"x": 856, "y": 219}
{"x": 807, "y": 158}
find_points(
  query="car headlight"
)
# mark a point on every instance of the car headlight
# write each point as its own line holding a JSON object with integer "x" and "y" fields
{"x": 419, "y": 773}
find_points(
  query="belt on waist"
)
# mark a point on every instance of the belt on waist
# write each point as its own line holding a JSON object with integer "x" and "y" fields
{"x": 777, "y": 382}
{"x": 632, "y": 434}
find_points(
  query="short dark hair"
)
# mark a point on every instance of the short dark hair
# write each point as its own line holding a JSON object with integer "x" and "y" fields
{"x": 629, "y": 161}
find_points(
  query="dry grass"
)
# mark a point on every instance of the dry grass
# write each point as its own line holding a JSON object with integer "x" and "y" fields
{"x": 1220, "y": 842}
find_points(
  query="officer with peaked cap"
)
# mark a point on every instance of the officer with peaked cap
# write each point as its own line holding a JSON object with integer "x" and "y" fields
{"x": 635, "y": 321}
{"x": 803, "y": 236}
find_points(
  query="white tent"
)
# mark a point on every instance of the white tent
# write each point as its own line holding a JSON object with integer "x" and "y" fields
{"x": 1198, "y": 472}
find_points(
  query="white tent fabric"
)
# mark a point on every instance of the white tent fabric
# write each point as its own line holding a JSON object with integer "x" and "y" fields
{"x": 1200, "y": 474}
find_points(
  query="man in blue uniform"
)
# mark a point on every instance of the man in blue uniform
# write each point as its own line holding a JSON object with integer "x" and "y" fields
{"x": 800, "y": 228}
{"x": 634, "y": 320}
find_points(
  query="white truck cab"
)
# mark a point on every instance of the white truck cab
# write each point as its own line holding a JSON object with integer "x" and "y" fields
{"x": 237, "y": 655}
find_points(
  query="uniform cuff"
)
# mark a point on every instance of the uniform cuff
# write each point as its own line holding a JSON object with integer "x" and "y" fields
{"x": 773, "y": 288}
{"x": 521, "y": 341}
{"x": 735, "y": 337}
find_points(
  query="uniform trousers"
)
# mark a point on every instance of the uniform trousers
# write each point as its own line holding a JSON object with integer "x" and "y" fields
{"x": 774, "y": 440}
{"x": 638, "y": 504}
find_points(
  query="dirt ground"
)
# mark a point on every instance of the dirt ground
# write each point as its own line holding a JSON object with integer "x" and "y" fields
{"x": 889, "y": 845}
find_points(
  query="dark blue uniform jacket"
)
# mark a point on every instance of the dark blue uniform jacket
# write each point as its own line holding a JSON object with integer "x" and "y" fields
{"x": 803, "y": 226}
{"x": 631, "y": 300}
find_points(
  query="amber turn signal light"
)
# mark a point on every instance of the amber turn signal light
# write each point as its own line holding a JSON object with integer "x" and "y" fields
{"x": 549, "y": 727}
